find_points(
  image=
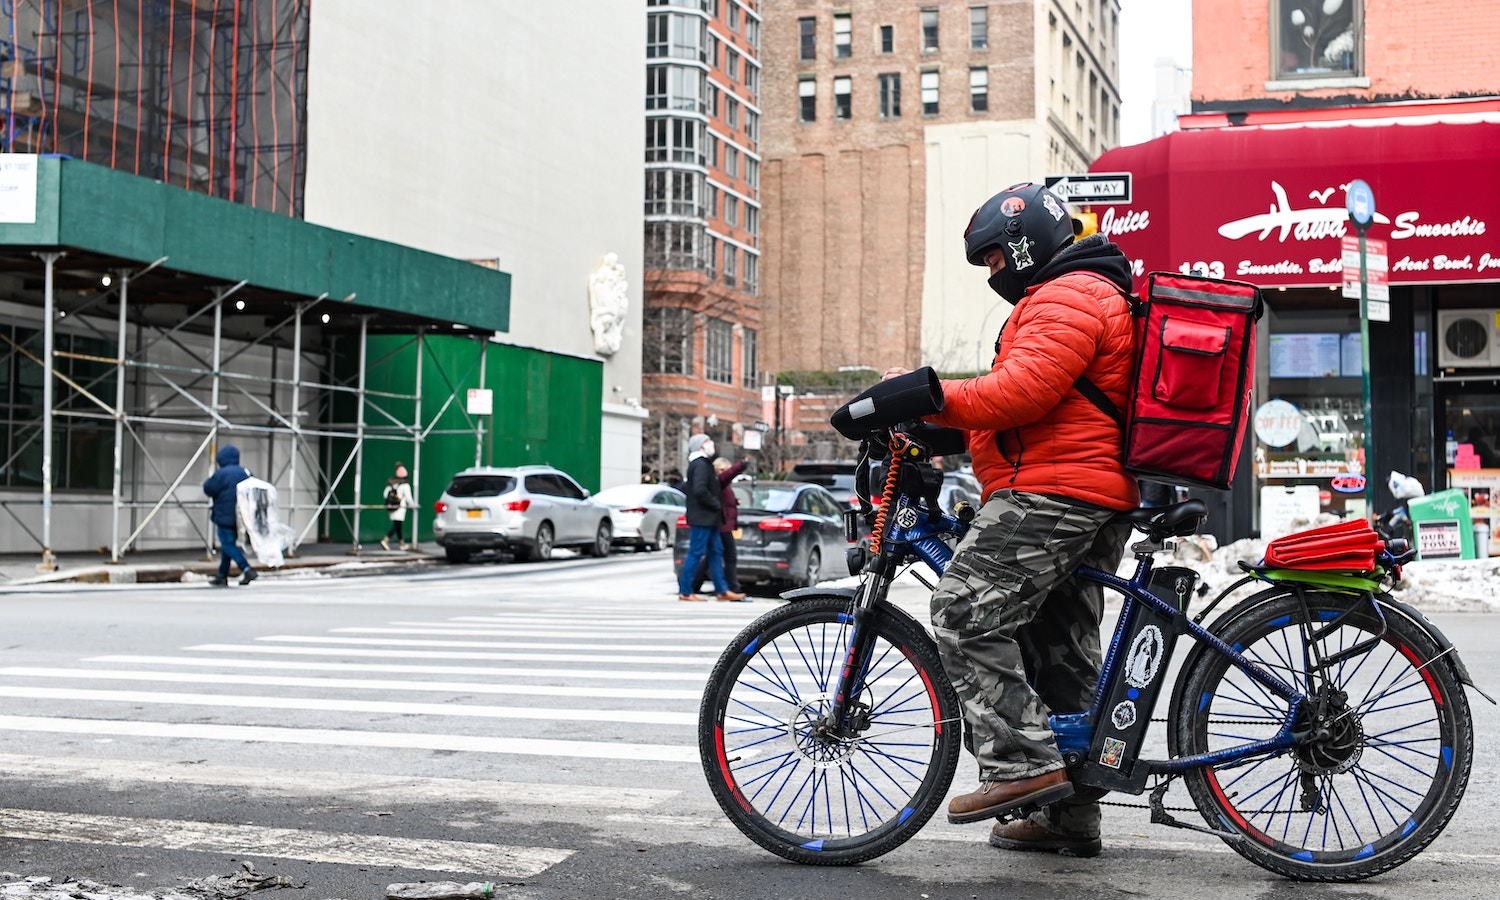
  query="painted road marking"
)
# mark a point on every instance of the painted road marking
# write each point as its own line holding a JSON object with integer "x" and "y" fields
{"x": 344, "y": 785}
{"x": 494, "y": 645}
{"x": 673, "y": 753}
{"x": 497, "y": 671}
{"x": 489, "y": 860}
{"x": 393, "y": 652}
{"x": 367, "y": 684}
{"x": 388, "y": 707}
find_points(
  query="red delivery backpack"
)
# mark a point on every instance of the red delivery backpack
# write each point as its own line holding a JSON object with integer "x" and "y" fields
{"x": 1194, "y": 369}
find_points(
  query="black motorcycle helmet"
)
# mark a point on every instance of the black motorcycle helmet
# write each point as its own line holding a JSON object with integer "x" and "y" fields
{"x": 1029, "y": 224}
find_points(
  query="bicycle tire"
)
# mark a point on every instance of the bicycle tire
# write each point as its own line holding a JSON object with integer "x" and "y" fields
{"x": 1381, "y": 787}
{"x": 814, "y": 802}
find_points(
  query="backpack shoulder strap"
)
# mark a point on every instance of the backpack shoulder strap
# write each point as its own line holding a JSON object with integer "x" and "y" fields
{"x": 1094, "y": 395}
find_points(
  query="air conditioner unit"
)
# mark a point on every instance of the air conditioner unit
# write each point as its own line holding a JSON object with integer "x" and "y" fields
{"x": 1468, "y": 338}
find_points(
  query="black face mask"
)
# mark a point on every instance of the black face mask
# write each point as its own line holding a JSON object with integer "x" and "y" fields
{"x": 1009, "y": 285}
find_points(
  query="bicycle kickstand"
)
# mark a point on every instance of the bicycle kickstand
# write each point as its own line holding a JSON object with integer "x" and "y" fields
{"x": 1160, "y": 816}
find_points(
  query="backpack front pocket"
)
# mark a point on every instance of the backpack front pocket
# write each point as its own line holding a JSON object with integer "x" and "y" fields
{"x": 1191, "y": 365}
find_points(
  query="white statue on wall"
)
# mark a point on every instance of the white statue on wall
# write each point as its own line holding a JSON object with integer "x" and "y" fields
{"x": 609, "y": 304}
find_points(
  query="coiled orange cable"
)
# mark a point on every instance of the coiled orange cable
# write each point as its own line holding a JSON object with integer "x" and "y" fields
{"x": 887, "y": 499}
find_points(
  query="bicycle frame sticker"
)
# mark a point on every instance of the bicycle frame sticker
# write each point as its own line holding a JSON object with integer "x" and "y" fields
{"x": 1146, "y": 653}
{"x": 1123, "y": 714}
{"x": 1113, "y": 753}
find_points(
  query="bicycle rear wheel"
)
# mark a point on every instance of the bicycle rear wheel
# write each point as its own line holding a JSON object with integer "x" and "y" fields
{"x": 814, "y": 800}
{"x": 1387, "y": 771}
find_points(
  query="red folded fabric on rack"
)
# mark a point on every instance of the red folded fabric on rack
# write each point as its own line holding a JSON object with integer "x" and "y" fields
{"x": 1346, "y": 546}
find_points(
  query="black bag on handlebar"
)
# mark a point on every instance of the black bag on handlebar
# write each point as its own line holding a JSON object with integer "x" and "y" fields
{"x": 889, "y": 403}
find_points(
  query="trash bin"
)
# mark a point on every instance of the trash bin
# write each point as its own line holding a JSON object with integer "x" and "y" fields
{"x": 1443, "y": 525}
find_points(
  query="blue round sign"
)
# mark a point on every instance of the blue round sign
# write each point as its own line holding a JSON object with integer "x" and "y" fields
{"x": 1361, "y": 203}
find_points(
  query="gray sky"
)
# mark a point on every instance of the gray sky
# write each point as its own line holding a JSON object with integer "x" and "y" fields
{"x": 1149, "y": 29}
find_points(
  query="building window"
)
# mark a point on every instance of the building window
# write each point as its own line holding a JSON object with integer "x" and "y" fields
{"x": 979, "y": 90}
{"x": 979, "y": 27}
{"x": 930, "y": 93}
{"x": 679, "y": 246}
{"x": 675, "y": 193}
{"x": 732, "y": 114}
{"x": 731, "y": 210}
{"x": 749, "y": 360}
{"x": 734, "y": 17}
{"x": 751, "y": 282}
{"x": 82, "y": 453}
{"x": 711, "y": 204}
{"x": 929, "y": 30}
{"x": 1309, "y": 42}
{"x": 676, "y": 36}
{"x": 656, "y": 87}
{"x": 890, "y": 95}
{"x": 685, "y": 141}
{"x": 752, "y": 223}
{"x": 887, "y": 39}
{"x": 752, "y": 32}
{"x": 711, "y": 143}
{"x": 731, "y": 162}
{"x": 732, "y": 64}
{"x": 752, "y": 125}
{"x": 807, "y": 97}
{"x": 809, "y": 31}
{"x": 718, "y": 348}
{"x": 843, "y": 105}
{"x": 667, "y": 340}
{"x": 657, "y": 148}
{"x": 843, "y": 33}
{"x": 752, "y": 79}
{"x": 752, "y": 172}
{"x": 731, "y": 254}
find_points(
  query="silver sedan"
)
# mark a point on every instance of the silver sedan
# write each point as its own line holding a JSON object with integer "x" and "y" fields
{"x": 644, "y": 515}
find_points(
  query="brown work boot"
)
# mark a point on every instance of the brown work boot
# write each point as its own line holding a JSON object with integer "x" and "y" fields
{"x": 1029, "y": 835}
{"x": 995, "y": 798}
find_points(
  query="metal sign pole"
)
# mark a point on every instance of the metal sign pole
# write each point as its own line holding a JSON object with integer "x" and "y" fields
{"x": 1361, "y": 203}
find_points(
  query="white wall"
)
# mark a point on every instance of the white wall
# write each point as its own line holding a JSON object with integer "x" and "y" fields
{"x": 967, "y": 163}
{"x": 479, "y": 130}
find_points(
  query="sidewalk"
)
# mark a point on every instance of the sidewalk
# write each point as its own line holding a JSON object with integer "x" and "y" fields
{"x": 189, "y": 564}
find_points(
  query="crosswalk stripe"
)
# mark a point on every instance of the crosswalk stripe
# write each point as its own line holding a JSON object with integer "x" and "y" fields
{"x": 475, "y": 630}
{"x": 673, "y": 753}
{"x": 451, "y": 654}
{"x": 496, "y": 671}
{"x": 369, "y": 684}
{"x": 297, "y": 782}
{"x": 497, "y": 645}
{"x": 632, "y": 717}
{"x": 489, "y": 860}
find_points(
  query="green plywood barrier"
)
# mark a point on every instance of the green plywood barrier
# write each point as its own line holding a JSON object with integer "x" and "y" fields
{"x": 546, "y": 411}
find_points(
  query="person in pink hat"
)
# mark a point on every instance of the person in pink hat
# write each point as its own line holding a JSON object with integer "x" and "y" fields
{"x": 398, "y": 499}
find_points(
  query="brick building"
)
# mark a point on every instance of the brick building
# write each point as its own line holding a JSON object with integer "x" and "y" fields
{"x": 887, "y": 122}
{"x": 702, "y": 252}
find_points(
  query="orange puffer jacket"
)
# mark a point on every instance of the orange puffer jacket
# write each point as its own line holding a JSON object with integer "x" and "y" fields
{"x": 1029, "y": 428}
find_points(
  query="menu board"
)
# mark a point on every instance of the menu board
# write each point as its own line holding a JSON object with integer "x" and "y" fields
{"x": 1305, "y": 355}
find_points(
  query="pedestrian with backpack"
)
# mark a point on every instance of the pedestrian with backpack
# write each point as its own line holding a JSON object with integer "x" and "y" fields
{"x": 398, "y": 499}
{"x": 1018, "y": 634}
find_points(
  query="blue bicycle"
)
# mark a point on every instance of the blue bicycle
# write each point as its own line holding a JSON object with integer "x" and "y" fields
{"x": 1320, "y": 726}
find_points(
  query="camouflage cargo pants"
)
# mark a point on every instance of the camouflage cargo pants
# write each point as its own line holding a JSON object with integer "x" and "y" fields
{"x": 1019, "y": 636}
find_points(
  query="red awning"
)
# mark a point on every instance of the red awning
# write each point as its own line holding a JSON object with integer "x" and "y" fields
{"x": 1266, "y": 204}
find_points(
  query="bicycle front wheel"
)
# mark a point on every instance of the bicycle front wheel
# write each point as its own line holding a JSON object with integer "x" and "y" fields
{"x": 1376, "y": 775}
{"x": 819, "y": 800}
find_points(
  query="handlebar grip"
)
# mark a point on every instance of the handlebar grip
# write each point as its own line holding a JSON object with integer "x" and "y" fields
{"x": 889, "y": 403}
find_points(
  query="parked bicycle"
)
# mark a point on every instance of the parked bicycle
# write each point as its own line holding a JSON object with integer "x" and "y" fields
{"x": 1320, "y": 726}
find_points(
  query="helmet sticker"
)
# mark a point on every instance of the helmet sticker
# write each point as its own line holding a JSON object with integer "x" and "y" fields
{"x": 1021, "y": 250}
{"x": 1012, "y": 206}
{"x": 1052, "y": 207}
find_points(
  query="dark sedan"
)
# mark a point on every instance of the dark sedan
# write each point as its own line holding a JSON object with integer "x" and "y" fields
{"x": 791, "y": 534}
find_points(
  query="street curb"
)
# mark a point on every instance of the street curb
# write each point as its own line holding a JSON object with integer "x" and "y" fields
{"x": 174, "y": 573}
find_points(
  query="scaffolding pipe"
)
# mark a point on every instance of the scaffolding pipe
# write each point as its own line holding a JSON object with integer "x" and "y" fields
{"x": 359, "y": 430}
{"x": 118, "y": 483}
{"x": 416, "y": 436}
{"x": 484, "y": 350}
{"x": 291, "y": 510}
{"x": 213, "y": 405}
{"x": 49, "y": 313}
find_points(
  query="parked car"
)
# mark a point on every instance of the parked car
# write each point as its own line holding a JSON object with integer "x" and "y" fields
{"x": 791, "y": 533}
{"x": 644, "y": 515}
{"x": 960, "y": 486}
{"x": 837, "y": 475}
{"x": 526, "y": 510}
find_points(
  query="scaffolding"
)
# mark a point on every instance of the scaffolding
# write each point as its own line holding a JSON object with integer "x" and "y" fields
{"x": 197, "y": 363}
{"x": 210, "y": 95}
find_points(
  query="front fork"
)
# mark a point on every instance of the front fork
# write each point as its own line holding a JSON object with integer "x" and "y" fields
{"x": 847, "y": 716}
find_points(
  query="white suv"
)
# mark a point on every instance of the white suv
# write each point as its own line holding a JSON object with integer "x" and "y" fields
{"x": 526, "y": 509}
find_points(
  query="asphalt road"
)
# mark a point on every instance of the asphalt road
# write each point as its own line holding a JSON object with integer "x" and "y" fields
{"x": 529, "y": 725}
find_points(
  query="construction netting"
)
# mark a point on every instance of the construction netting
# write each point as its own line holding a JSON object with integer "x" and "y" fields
{"x": 210, "y": 95}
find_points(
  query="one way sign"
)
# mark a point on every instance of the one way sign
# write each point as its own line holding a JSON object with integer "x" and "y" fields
{"x": 1091, "y": 187}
